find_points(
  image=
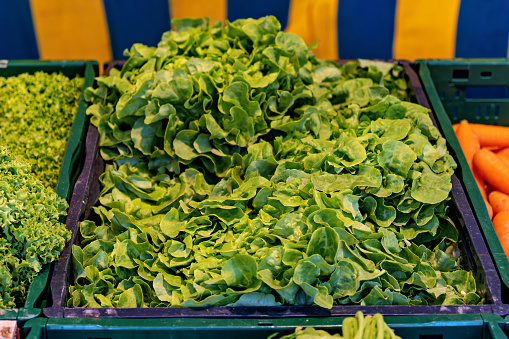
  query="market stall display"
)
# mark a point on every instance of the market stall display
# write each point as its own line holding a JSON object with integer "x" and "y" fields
{"x": 242, "y": 171}
{"x": 228, "y": 182}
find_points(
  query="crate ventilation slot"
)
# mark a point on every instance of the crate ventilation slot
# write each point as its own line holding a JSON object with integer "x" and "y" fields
{"x": 486, "y": 75}
{"x": 460, "y": 74}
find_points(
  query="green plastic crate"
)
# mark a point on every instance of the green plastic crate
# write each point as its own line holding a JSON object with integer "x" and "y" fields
{"x": 71, "y": 164}
{"x": 471, "y": 326}
{"x": 505, "y": 325}
{"x": 475, "y": 90}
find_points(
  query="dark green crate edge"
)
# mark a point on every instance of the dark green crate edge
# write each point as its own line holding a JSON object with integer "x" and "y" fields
{"x": 480, "y": 326}
{"x": 494, "y": 325}
{"x": 505, "y": 324}
{"x": 476, "y": 199}
{"x": 76, "y": 135}
{"x": 35, "y": 328}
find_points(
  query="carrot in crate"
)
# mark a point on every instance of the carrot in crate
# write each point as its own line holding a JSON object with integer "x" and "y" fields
{"x": 503, "y": 158}
{"x": 499, "y": 201}
{"x": 489, "y": 135}
{"x": 493, "y": 169}
{"x": 501, "y": 224}
{"x": 504, "y": 152}
{"x": 468, "y": 141}
{"x": 470, "y": 146}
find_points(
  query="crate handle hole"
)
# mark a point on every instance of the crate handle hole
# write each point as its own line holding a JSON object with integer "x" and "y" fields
{"x": 495, "y": 115}
{"x": 487, "y": 114}
{"x": 431, "y": 336}
{"x": 460, "y": 74}
{"x": 486, "y": 74}
{"x": 487, "y": 92}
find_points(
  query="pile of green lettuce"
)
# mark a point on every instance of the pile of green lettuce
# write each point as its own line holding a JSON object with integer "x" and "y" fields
{"x": 36, "y": 114}
{"x": 30, "y": 234}
{"x": 241, "y": 170}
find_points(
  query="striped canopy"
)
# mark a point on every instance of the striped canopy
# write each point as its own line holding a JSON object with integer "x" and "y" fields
{"x": 345, "y": 29}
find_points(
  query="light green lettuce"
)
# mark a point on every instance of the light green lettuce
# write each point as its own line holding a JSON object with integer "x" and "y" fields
{"x": 244, "y": 171}
{"x": 31, "y": 234}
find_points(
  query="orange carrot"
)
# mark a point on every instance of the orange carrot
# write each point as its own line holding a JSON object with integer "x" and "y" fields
{"x": 455, "y": 127}
{"x": 504, "y": 159}
{"x": 468, "y": 141}
{"x": 489, "y": 208}
{"x": 489, "y": 135}
{"x": 504, "y": 152}
{"x": 492, "y": 169}
{"x": 480, "y": 183}
{"x": 501, "y": 224}
{"x": 499, "y": 201}
{"x": 470, "y": 145}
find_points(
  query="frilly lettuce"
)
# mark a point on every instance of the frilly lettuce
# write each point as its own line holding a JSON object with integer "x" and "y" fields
{"x": 36, "y": 114}
{"x": 31, "y": 234}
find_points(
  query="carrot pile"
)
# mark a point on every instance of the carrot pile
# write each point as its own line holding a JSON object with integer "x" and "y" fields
{"x": 486, "y": 149}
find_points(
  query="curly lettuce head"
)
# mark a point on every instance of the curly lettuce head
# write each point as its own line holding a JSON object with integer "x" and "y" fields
{"x": 30, "y": 232}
